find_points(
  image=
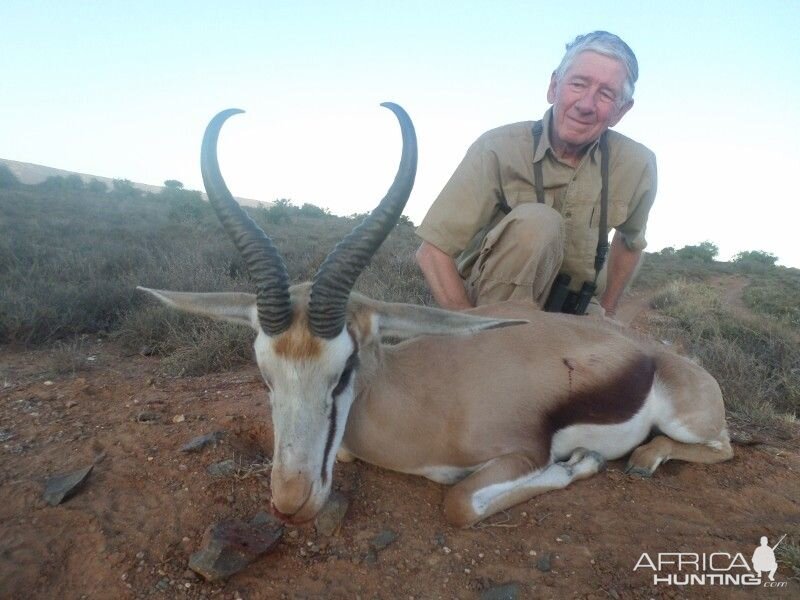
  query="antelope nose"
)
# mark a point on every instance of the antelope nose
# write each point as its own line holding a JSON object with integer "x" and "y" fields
{"x": 289, "y": 494}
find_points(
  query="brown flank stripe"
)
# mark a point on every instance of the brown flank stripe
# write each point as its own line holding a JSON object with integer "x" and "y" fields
{"x": 615, "y": 401}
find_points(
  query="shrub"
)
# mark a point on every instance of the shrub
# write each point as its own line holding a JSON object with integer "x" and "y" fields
{"x": 7, "y": 178}
{"x": 313, "y": 211}
{"x": 279, "y": 212}
{"x": 97, "y": 187}
{"x": 705, "y": 251}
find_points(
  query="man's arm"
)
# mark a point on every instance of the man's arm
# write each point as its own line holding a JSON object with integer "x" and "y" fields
{"x": 622, "y": 263}
{"x": 442, "y": 276}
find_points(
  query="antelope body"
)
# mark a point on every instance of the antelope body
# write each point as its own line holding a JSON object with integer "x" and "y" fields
{"x": 505, "y": 401}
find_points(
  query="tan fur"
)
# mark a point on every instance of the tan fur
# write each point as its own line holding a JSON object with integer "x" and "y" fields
{"x": 297, "y": 343}
{"x": 440, "y": 401}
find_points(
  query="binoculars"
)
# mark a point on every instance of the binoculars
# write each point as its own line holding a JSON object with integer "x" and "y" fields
{"x": 561, "y": 299}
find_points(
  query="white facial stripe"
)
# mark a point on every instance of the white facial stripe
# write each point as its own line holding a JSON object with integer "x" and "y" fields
{"x": 302, "y": 405}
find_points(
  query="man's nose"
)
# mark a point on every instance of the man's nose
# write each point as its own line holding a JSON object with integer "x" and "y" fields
{"x": 586, "y": 102}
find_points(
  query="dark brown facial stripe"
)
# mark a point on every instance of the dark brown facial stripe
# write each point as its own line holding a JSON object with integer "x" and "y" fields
{"x": 344, "y": 380}
{"x": 328, "y": 442}
{"x": 615, "y": 401}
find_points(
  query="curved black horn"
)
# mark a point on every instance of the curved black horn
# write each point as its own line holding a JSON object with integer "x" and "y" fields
{"x": 265, "y": 265}
{"x": 335, "y": 279}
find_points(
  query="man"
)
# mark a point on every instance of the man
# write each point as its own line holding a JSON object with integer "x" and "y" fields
{"x": 525, "y": 203}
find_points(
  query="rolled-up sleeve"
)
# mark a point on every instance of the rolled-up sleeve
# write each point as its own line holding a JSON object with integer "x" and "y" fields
{"x": 633, "y": 229}
{"x": 466, "y": 203}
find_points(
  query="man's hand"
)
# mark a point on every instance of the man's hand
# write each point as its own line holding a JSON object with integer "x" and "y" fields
{"x": 622, "y": 264}
{"x": 442, "y": 276}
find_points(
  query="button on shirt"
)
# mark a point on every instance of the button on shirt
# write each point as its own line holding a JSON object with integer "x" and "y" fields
{"x": 499, "y": 166}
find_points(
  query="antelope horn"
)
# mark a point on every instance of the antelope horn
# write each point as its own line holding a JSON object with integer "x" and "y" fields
{"x": 336, "y": 277}
{"x": 265, "y": 265}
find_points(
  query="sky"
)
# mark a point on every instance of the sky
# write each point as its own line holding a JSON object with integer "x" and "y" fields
{"x": 125, "y": 90}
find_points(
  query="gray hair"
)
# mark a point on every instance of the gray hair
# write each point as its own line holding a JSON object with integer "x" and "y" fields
{"x": 607, "y": 44}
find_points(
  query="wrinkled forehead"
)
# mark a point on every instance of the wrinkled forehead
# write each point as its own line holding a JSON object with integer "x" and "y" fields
{"x": 598, "y": 67}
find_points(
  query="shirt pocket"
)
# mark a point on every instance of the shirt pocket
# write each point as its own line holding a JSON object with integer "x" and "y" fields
{"x": 617, "y": 214}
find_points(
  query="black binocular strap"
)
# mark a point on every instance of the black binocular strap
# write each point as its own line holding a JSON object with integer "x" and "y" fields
{"x": 538, "y": 182}
{"x": 602, "y": 238}
{"x": 538, "y": 178}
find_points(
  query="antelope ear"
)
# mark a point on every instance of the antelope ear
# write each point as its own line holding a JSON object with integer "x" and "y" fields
{"x": 234, "y": 307}
{"x": 409, "y": 320}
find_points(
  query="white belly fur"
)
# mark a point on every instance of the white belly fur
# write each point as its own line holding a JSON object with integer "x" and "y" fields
{"x": 614, "y": 441}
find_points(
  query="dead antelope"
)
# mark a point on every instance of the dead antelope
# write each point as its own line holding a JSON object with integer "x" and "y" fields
{"x": 505, "y": 402}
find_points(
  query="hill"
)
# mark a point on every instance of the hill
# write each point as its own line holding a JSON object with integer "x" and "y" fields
{"x": 31, "y": 174}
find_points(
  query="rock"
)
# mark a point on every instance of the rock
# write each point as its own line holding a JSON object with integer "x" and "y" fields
{"x": 382, "y": 540}
{"x": 263, "y": 517}
{"x": 61, "y": 487}
{"x": 230, "y": 546}
{"x": 201, "y": 441}
{"x": 544, "y": 562}
{"x": 329, "y": 520}
{"x": 70, "y": 403}
{"x": 178, "y": 418}
{"x": 5, "y": 435}
{"x": 147, "y": 417}
{"x": 507, "y": 591}
{"x": 226, "y": 468}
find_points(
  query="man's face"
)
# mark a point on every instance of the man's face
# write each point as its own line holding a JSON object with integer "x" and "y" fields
{"x": 587, "y": 99}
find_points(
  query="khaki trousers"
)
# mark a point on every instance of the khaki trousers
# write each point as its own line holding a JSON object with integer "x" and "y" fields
{"x": 519, "y": 257}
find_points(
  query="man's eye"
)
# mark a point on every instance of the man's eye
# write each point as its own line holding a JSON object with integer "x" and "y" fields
{"x": 608, "y": 97}
{"x": 577, "y": 85}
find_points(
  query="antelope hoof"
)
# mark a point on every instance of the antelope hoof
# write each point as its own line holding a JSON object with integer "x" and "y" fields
{"x": 639, "y": 472}
{"x": 602, "y": 464}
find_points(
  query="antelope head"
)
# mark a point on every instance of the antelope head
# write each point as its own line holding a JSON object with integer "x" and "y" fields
{"x": 311, "y": 337}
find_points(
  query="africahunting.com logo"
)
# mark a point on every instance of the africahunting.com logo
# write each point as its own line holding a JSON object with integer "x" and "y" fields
{"x": 716, "y": 568}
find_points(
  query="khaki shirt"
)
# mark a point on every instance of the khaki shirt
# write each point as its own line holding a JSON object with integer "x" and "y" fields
{"x": 499, "y": 165}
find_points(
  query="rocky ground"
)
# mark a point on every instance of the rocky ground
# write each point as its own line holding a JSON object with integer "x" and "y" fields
{"x": 130, "y": 530}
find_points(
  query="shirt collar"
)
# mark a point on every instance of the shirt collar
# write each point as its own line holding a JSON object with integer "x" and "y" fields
{"x": 544, "y": 143}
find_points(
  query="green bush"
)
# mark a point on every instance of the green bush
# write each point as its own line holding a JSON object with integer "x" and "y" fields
{"x": 7, "y": 178}
{"x": 706, "y": 251}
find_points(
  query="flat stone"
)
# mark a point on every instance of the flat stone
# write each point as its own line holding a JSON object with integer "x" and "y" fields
{"x": 230, "y": 546}
{"x": 544, "y": 564}
{"x": 201, "y": 441}
{"x": 329, "y": 520}
{"x": 62, "y": 487}
{"x": 148, "y": 417}
{"x": 383, "y": 539}
{"x": 263, "y": 517}
{"x": 226, "y": 468}
{"x": 507, "y": 591}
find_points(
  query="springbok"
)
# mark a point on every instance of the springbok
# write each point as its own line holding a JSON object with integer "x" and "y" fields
{"x": 505, "y": 401}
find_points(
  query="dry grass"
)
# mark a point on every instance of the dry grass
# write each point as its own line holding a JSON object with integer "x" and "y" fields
{"x": 756, "y": 360}
{"x": 70, "y": 260}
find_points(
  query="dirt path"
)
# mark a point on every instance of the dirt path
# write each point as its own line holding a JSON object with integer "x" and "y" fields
{"x": 130, "y": 531}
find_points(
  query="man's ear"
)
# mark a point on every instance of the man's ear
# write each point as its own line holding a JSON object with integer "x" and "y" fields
{"x": 621, "y": 112}
{"x": 551, "y": 91}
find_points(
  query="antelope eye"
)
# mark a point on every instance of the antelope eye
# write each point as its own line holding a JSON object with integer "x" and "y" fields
{"x": 344, "y": 379}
